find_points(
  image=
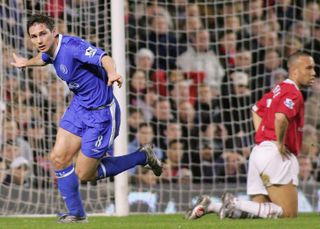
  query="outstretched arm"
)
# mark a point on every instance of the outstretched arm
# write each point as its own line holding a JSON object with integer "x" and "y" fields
{"x": 21, "y": 62}
{"x": 109, "y": 65}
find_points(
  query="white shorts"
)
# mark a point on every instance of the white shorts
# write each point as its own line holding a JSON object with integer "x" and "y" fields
{"x": 266, "y": 168}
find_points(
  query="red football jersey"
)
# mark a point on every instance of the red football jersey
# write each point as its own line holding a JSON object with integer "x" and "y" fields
{"x": 284, "y": 98}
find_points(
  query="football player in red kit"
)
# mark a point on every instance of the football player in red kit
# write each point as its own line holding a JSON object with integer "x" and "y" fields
{"x": 273, "y": 167}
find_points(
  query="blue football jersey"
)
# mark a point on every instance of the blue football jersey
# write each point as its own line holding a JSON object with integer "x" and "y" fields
{"x": 78, "y": 63}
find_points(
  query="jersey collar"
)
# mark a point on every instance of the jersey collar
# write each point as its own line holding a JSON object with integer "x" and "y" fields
{"x": 289, "y": 81}
{"x": 58, "y": 47}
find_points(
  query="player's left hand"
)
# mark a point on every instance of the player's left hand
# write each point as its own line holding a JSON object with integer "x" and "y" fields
{"x": 115, "y": 77}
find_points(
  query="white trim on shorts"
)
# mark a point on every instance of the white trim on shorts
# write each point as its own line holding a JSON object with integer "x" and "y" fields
{"x": 113, "y": 130}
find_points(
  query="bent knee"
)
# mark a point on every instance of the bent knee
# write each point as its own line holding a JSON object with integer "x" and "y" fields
{"x": 59, "y": 161}
{"x": 85, "y": 175}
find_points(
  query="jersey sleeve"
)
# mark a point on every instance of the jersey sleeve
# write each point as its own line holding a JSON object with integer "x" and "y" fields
{"x": 261, "y": 105}
{"x": 46, "y": 58}
{"x": 289, "y": 105}
{"x": 87, "y": 53}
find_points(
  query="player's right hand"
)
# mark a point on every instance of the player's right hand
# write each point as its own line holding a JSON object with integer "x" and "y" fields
{"x": 19, "y": 62}
{"x": 285, "y": 153}
{"x": 115, "y": 78}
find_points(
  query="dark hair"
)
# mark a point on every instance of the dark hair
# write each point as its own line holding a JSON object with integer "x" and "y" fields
{"x": 40, "y": 19}
{"x": 293, "y": 57}
{"x": 145, "y": 124}
{"x": 174, "y": 141}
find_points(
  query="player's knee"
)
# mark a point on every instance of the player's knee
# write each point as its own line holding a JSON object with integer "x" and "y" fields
{"x": 84, "y": 175}
{"x": 58, "y": 160}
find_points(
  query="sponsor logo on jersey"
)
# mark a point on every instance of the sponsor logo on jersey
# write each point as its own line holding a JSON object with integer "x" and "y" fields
{"x": 63, "y": 69}
{"x": 73, "y": 85}
{"x": 289, "y": 103}
{"x": 90, "y": 52}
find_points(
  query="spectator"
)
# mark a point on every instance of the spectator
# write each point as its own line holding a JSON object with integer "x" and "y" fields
{"x": 243, "y": 61}
{"x": 9, "y": 151}
{"x": 173, "y": 165}
{"x": 312, "y": 106}
{"x": 301, "y": 30}
{"x": 40, "y": 147}
{"x": 310, "y": 145}
{"x": 236, "y": 103}
{"x": 203, "y": 171}
{"x": 255, "y": 11}
{"x": 19, "y": 171}
{"x": 161, "y": 42}
{"x": 232, "y": 22}
{"x": 231, "y": 168}
{"x": 162, "y": 116}
{"x": 172, "y": 132}
{"x": 311, "y": 12}
{"x": 11, "y": 133}
{"x": 305, "y": 170}
{"x": 135, "y": 118}
{"x": 189, "y": 123}
{"x": 192, "y": 24}
{"x": 286, "y": 14}
{"x": 227, "y": 48}
{"x": 199, "y": 57}
{"x": 291, "y": 45}
{"x": 144, "y": 60}
{"x": 179, "y": 93}
{"x": 261, "y": 83}
{"x": 207, "y": 104}
{"x": 313, "y": 47}
{"x": 138, "y": 87}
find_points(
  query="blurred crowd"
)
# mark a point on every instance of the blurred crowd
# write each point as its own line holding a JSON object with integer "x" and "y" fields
{"x": 193, "y": 72}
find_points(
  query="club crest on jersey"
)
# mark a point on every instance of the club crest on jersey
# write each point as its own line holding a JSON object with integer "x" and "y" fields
{"x": 90, "y": 52}
{"x": 289, "y": 103}
{"x": 63, "y": 69}
{"x": 73, "y": 85}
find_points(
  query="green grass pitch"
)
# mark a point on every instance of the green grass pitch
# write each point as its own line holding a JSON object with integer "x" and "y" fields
{"x": 304, "y": 221}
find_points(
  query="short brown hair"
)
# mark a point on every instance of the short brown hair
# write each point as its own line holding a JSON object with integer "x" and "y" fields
{"x": 40, "y": 19}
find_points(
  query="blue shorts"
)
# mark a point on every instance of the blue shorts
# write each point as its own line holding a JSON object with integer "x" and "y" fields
{"x": 97, "y": 128}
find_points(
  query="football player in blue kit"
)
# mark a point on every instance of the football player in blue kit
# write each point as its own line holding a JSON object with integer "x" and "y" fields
{"x": 91, "y": 122}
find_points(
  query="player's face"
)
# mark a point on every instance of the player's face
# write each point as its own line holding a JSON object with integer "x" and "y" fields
{"x": 42, "y": 38}
{"x": 306, "y": 72}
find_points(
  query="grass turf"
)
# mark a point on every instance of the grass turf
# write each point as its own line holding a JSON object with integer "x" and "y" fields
{"x": 176, "y": 221}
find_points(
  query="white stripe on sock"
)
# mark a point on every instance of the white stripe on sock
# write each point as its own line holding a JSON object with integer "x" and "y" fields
{"x": 66, "y": 174}
{"x": 103, "y": 169}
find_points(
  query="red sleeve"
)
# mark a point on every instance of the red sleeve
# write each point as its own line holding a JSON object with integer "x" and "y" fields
{"x": 261, "y": 105}
{"x": 289, "y": 105}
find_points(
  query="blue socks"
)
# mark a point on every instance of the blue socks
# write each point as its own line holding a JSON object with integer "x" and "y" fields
{"x": 68, "y": 185}
{"x": 111, "y": 166}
